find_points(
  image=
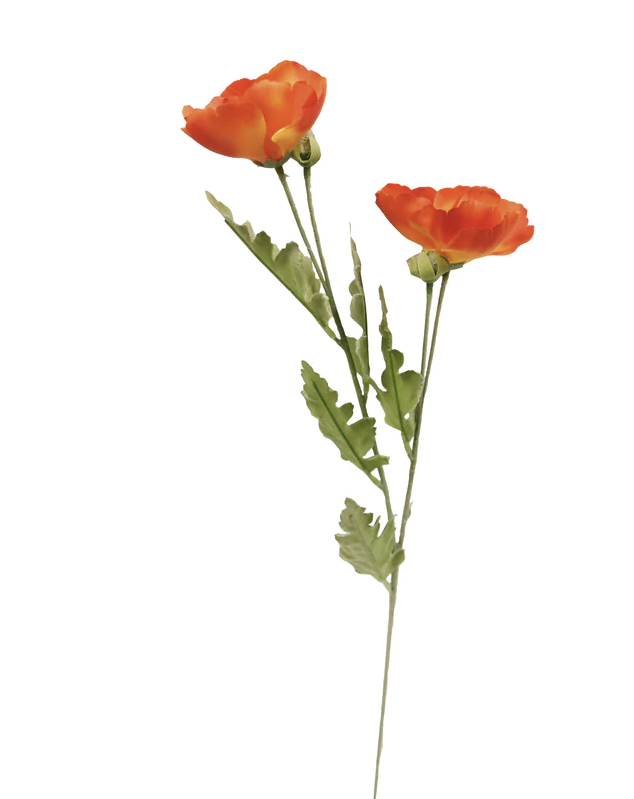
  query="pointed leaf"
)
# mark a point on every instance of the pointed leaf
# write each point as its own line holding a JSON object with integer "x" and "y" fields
{"x": 290, "y": 266}
{"x": 363, "y": 547}
{"x": 402, "y": 389}
{"x": 354, "y": 440}
{"x": 358, "y": 312}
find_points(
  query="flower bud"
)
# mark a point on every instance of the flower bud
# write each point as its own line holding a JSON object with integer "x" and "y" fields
{"x": 307, "y": 151}
{"x": 428, "y": 266}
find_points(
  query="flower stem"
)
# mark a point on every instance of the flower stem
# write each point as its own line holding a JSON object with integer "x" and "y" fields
{"x": 313, "y": 221}
{"x": 322, "y": 272}
{"x": 424, "y": 370}
{"x": 344, "y": 339}
{"x": 386, "y": 671}
{"x": 298, "y": 221}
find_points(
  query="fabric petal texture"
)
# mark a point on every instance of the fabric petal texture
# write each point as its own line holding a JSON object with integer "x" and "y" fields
{"x": 261, "y": 119}
{"x": 236, "y": 130}
{"x": 461, "y": 224}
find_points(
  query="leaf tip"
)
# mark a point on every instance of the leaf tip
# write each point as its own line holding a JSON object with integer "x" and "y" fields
{"x": 382, "y": 298}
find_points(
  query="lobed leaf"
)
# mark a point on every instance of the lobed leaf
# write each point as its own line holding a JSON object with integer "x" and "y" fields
{"x": 290, "y": 266}
{"x": 402, "y": 389}
{"x": 353, "y": 440}
{"x": 363, "y": 547}
{"x": 359, "y": 314}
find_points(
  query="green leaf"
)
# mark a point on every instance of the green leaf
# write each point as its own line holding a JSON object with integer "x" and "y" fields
{"x": 290, "y": 266}
{"x": 359, "y": 314}
{"x": 358, "y": 309}
{"x": 354, "y": 440}
{"x": 402, "y": 389}
{"x": 363, "y": 547}
{"x": 359, "y": 352}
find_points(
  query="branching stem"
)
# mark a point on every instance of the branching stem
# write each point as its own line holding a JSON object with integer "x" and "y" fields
{"x": 322, "y": 272}
{"x": 425, "y": 369}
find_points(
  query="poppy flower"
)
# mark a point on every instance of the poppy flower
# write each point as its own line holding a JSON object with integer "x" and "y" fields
{"x": 460, "y": 224}
{"x": 261, "y": 119}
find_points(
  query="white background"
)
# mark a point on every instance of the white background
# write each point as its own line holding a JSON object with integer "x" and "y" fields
{"x": 175, "y": 621}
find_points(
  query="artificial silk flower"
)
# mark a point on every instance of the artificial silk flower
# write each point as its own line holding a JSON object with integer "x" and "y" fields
{"x": 460, "y": 224}
{"x": 269, "y": 120}
{"x": 261, "y": 119}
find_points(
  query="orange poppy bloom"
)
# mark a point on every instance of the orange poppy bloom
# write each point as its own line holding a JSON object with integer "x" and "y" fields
{"x": 460, "y": 224}
{"x": 261, "y": 119}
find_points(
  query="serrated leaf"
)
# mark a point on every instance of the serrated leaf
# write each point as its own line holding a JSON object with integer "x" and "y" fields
{"x": 359, "y": 314}
{"x": 402, "y": 389}
{"x": 290, "y": 266}
{"x": 361, "y": 545}
{"x": 354, "y": 440}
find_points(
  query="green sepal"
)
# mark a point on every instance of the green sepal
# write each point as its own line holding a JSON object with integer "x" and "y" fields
{"x": 290, "y": 266}
{"x": 353, "y": 440}
{"x": 359, "y": 314}
{"x": 361, "y": 545}
{"x": 402, "y": 389}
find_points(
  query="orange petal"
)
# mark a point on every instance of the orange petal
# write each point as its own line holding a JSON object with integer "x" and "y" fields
{"x": 446, "y": 199}
{"x": 306, "y": 109}
{"x": 287, "y": 72}
{"x": 397, "y": 190}
{"x": 236, "y": 130}
{"x": 237, "y": 88}
{"x": 472, "y": 243}
{"x": 519, "y": 236}
{"x": 430, "y": 222}
{"x": 520, "y": 233}
{"x": 274, "y": 100}
{"x": 291, "y": 72}
{"x": 471, "y": 214}
{"x": 398, "y": 203}
{"x": 401, "y": 205}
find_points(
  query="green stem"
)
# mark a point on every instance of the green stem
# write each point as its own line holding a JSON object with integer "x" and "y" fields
{"x": 322, "y": 272}
{"x": 386, "y": 671}
{"x": 421, "y": 404}
{"x": 342, "y": 335}
{"x": 425, "y": 371}
{"x": 313, "y": 221}
{"x": 329, "y": 293}
{"x": 280, "y": 173}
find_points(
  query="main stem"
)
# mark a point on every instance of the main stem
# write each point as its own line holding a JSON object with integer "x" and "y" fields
{"x": 424, "y": 370}
{"x": 322, "y": 272}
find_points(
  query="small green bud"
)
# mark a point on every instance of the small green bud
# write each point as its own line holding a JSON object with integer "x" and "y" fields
{"x": 307, "y": 151}
{"x": 429, "y": 266}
